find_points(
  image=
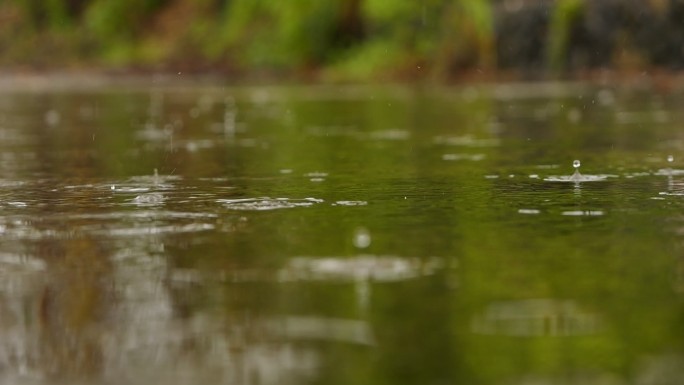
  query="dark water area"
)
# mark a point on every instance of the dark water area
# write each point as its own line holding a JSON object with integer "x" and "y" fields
{"x": 352, "y": 235}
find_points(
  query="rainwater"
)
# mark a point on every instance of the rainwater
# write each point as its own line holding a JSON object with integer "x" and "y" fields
{"x": 341, "y": 235}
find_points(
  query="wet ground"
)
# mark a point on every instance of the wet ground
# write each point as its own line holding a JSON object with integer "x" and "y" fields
{"x": 404, "y": 235}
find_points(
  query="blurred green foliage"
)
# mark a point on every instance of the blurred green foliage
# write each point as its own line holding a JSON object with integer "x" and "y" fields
{"x": 339, "y": 39}
{"x": 565, "y": 15}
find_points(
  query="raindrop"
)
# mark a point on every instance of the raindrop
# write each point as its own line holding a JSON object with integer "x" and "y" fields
{"x": 576, "y": 176}
{"x": 574, "y": 115}
{"x": 670, "y": 158}
{"x": 362, "y": 238}
{"x": 52, "y": 118}
{"x": 156, "y": 106}
{"x": 229, "y": 116}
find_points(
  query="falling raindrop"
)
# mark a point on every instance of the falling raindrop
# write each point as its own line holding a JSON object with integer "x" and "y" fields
{"x": 362, "y": 238}
{"x": 576, "y": 164}
{"x": 670, "y": 158}
{"x": 52, "y": 118}
{"x": 156, "y": 106}
{"x": 229, "y": 116}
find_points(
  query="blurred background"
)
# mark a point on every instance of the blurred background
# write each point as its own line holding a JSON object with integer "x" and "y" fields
{"x": 345, "y": 40}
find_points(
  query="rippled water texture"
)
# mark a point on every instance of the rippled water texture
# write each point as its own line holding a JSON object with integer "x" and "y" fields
{"x": 199, "y": 235}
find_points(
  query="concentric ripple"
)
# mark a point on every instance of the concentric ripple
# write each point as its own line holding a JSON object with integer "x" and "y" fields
{"x": 266, "y": 203}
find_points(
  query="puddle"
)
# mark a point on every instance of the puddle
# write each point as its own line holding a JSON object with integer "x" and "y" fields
{"x": 114, "y": 273}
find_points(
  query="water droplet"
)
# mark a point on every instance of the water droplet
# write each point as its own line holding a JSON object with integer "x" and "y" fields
{"x": 574, "y": 115}
{"x": 362, "y": 238}
{"x": 670, "y": 158}
{"x": 229, "y": 115}
{"x": 52, "y": 118}
{"x": 576, "y": 163}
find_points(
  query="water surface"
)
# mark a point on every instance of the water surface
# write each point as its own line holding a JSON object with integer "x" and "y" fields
{"x": 399, "y": 235}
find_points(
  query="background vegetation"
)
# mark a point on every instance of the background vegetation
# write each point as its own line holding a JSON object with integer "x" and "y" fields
{"x": 344, "y": 39}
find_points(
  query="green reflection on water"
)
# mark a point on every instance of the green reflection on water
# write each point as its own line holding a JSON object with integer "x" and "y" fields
{"x": 475, "y": 270}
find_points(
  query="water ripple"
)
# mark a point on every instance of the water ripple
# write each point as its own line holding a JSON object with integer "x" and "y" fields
{"x": 266, "y": 203}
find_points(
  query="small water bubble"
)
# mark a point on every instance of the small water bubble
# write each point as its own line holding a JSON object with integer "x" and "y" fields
{"x": 576, "y": 163}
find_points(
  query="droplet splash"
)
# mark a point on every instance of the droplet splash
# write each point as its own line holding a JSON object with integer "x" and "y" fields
{"x": 669, "y": 171}
{"x": 577, "y": 177}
